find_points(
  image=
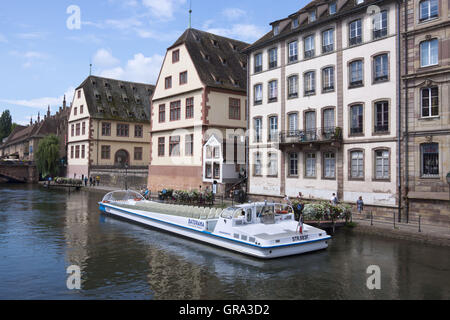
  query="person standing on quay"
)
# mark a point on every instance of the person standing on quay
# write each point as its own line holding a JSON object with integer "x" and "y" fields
{"x": 360, "y": 205}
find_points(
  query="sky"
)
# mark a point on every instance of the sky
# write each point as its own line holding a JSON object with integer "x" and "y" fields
{"x": 46, "y": 47}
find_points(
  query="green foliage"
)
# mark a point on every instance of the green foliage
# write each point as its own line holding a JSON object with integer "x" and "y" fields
{"x": 5, "y": 124}
{"x": 320, "y": 211}
{"x": 47, "y": 156}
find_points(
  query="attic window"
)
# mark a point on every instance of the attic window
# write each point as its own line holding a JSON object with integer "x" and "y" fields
{"x": 94, "y": 83}
{"x": 114, "y": 112}
{"x": 106, "y": 84}
{"x": 295, "y": 23}
{"x": 134, "y": 89}
{"x": 197, "y": 38}
{"x": 215, "y": 43}
{"x": 223, "y": 60}
{"x": 125, "y": 99}
{"x": 131, "y": 114}
{"x": 109, "y": 97}
{"x": 205, "y": 56}
{"x": 234, "y": 47}
{"x": 276, "y": 30}
{"x": 138, "y": 100}
{"x": 235, "y": 82}
{"x": 122, "y": 86}
{"x": 244, "y": 64}
{"x": 97, "y": 96}
{"x": 100, "y": 109}
{"x": 332, "y": 8}
{"x": 312, "y": 16}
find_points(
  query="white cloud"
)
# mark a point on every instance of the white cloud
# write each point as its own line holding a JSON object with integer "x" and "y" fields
{"x": 139, "y": 69}
{"x": 42, "y": 103}
{"x": 3, "y": 39}
{"x": 233, "y": 13}
{"x": 163, "y": 10}
{"x": 103, "y": 58}
{"x": 30, "y": 57}
{"x": 243, "y": 32}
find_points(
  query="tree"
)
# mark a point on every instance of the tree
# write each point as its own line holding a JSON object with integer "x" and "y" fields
{"x": 47, "y": 156}
{"x": 5, "y": 125}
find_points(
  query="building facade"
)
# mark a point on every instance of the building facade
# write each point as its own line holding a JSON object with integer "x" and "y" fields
{"x": 109, "y": 131}
{"x": 426, "y": 110}
{"x": 23, "y": 142}
{"x": 324, "y": 105}
{"x": 200, "y": 93}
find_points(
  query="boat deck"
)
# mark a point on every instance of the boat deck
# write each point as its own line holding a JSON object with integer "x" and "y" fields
{"x": 199, "y": 213}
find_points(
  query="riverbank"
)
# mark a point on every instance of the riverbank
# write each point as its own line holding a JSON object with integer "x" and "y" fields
{"x": 425, "y": 234}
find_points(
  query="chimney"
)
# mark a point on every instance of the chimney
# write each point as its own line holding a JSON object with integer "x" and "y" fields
{"x": 64, "y": 102}
{"x": 39, "y": 117}
{"x": 48, "y": 112}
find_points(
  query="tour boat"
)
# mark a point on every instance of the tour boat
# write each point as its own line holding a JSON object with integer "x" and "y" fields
{"x": 262, "y": 229}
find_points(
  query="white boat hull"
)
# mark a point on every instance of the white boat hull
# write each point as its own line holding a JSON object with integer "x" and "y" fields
{"x": 177, "y": 227}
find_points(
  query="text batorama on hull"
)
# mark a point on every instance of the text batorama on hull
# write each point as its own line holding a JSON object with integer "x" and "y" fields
{"x": 262, "y": 230}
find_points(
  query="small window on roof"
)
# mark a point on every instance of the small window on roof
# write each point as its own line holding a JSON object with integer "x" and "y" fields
{"x": 312, "y": 16}
{"x": 215, "y": 42}
{"x": 223, "y": 60}
{"x": 276, "y": 30}
{"x": 332, "y": 8}
{"x": 295, "y": 23}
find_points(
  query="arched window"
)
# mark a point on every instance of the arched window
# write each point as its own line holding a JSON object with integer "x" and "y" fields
{"x": 121, "y": 158}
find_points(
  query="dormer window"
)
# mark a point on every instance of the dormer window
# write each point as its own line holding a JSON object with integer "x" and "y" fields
{"x": 276, "y": 30}
{"x": 205, "y": 56}
{"x": 244, "y": 65}
{"x": 295, "y": 23}
{"x": 223, "y": 60}
{"x": 125, "y": 99}
{"x": 106, "y": 85}
{"x": 332, "y": 8}
{"x": 234, "y": 47}
{"x": 109, "y": 98}
{"x": 215, "y": 43}
{"x": 97, "y": 96}
{"x": 312, "y": 16}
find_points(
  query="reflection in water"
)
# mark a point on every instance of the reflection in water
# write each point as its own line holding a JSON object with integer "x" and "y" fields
{"x": 42, "y": 232}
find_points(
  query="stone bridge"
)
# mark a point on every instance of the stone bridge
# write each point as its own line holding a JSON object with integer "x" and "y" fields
{"x": 19, "y": 172}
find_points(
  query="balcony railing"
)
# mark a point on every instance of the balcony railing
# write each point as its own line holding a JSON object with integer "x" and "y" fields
{"x": 311, "y": 136}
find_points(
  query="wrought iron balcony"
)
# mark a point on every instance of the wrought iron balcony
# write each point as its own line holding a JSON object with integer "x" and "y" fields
{"x": 325, "y": 135}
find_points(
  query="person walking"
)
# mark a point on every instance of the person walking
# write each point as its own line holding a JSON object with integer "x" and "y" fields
{"x": 98, "y": 180}
{"x": 85, "y": 181}
{"x": 360, "y": 205}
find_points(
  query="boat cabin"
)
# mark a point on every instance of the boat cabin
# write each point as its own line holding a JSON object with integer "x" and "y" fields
{"x": 257, "y": 213}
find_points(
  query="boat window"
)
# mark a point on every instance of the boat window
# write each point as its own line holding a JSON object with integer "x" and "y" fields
{"x": 239, "y": 213}
{"x": 229, "y": 213}
{"x": 249, "y": 215}
{"x": 259, "y": 211}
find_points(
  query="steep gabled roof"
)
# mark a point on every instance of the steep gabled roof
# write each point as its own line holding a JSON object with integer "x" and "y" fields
{"x": 218, "y": 60}
{"x": 112, "y": 99}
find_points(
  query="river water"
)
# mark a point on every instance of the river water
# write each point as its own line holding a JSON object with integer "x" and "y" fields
{"x": 43, "y": 232}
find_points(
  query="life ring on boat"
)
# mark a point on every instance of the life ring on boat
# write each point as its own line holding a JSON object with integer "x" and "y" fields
{"x": 282, "y": 212}
{"x": 105, "y": 201}
{"x": 137, "y": 199}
